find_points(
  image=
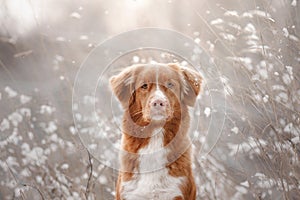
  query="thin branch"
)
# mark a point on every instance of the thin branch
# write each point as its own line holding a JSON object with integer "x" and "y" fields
{"x": 36, "y": 188}
{"x": 88, "y": 185}
{"x": 24, "y": 184}
{"x": 7, "y": 71}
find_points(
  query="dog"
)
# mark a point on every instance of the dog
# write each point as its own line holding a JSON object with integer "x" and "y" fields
{"x": 156, "y": 160}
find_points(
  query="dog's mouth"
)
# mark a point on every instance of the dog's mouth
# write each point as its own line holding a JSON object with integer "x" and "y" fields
{"x": 154, "y": 115}
{"x": 157, "y": 116}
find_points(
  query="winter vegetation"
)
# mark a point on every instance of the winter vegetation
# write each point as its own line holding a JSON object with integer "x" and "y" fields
{"x": 255, "y": 46}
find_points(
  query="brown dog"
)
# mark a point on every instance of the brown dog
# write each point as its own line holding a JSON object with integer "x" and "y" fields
{"x": 156, "y": 158}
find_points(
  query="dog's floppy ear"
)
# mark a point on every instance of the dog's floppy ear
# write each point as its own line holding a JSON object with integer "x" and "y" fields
{"x": 122, "y": 85}
{"x": 192, "y": 85}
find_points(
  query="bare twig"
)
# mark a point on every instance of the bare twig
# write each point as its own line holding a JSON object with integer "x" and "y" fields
{"x": 24, "y": 184}
{"x": 88, "y": 185}
{"x": 36, "y": 188}
{"x": 7, "y": 71}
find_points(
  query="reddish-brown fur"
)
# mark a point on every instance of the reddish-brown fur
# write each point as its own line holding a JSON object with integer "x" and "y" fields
{"x": 137, "y": 128}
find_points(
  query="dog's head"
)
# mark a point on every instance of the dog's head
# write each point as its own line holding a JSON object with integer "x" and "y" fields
{"x": 156, "y": 92}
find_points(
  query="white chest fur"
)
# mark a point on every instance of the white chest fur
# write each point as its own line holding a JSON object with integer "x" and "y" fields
{"x": 153, "y": 180}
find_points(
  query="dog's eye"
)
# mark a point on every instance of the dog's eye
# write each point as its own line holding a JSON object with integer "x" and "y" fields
{"x": 144, "y": 86}
{"x": 170, "y": 85}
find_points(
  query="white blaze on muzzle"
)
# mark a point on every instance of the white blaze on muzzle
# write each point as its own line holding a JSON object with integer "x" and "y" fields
{"x": 158, "y": 102}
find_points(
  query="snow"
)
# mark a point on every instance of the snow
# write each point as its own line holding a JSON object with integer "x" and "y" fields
{"x": 18, "y": 192}
{"x": 75, "y": 15}
{"x": 51, "y": 128}
{"x": 60, "y": 39}
{"x": 85, "y": 176}
{"x": 26, "y": 112}
{"x": 245, "y": 184}
{"x": 197, "y": 40}
{"x": 247, "y": 14}
{"x": 263, "y": 64}
{"x": 25, "y": 172}
{"x": 196, "y": 33}
{"x": 46, "y": 109}
{"x": 72, "y": 130}
{"x": 266, "y": 183}
{"x": 282, "y": 122}
{"x": 259, "y": 13}
{"x": 266, "y": 98}
{"x": 250, "y": 28}
{"x": 289, "y": 128}
{"x": 54, "y": 138}
{"x": 278, "y": 87}
{"x": 286, "y": 79}
{"x": 282, "y": 96}
{"x": 75, "y": 106}
{"x": 87, "y": 99}
{"x": 207, "y": 111}
{"x": 12, "y": 162}
{"x": 15, "y": 118}
{"x": 53, "y": 147}
{"x": 289, "y": 69}
{"x": 38, "y": 179}
{"x": 241, "y": 189}
{"x": 83, "y": 37}
{"x": 217, "y": 21}
{"x": 10, "y": 92}
{"x": 64, "y": 166}
{"x": 233, "y": 13}
{"x": 245, "y": 61}
{"x": 202, "y": 139}
{"x": 296, "y": 140}
{"x": 235, "y": 26}
{"x": 30, "y": 135}
{"x": 293, "y": 37}
{"x": 285, "y": 32}
{"x": 235, "y": 130}
{"x": 103, "y": 180}
{"x": 228, "y": 36}
{"x": 92, "y": 146}
{"x": 196, "y": 134}
{"x": 135, "y": 59}
{"x": 25, "y": 99}
{"x": 4, "y": 125}
{"x": 59, "y": 58}
{"x": 263, "y": 73}
{"x": 12, "y": 138}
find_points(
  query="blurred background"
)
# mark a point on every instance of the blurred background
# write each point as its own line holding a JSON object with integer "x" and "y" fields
{"x": 255, "y": 45}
